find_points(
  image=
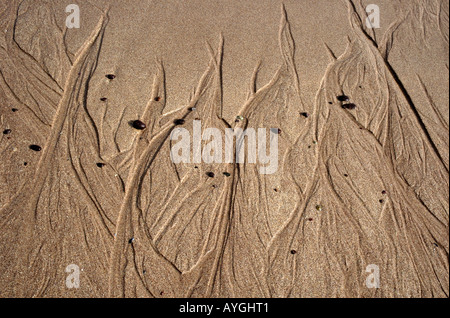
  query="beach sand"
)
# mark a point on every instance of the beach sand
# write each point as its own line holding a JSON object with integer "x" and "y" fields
{"x": 358, "y": 206}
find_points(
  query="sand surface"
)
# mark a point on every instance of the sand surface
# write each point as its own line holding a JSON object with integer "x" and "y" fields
{"x": 355, "y": 187}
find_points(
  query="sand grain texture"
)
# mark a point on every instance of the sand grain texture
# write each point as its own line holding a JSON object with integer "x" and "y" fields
{"x": 354, "y": 187}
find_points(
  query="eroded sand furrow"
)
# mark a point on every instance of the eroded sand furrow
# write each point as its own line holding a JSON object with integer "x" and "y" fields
{"x": 354, "y": 187}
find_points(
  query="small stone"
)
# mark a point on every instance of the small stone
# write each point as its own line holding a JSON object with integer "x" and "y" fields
{"x": 131, "y": 240}
{"x": 35, "y": 148}
{"x": 179, "y": 122}
{"x": 103, "y": 99}
{"x": 349, "y": 106}
{"x": 318, "y": 207}
{"x": 210, "y": 174}
{"x": 139, "y": 125}
{"x": 240, "y": 118}
{"x": 293, "y": 252}
{"x": 100, "y": 165}
{"x": 110, "y": 76}
{"x": 226, "y": 174}
{"x": 383, "y": 192}
{"x": 157, "y": 99}
{"x": 343, "y": 98}
{"x": 306, "y": 115}
{"x": 14, "y": 110}
{"x": 7, "y": 131}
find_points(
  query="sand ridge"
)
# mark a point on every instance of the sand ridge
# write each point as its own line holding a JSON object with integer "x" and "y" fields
{"x": 355, "y": 186}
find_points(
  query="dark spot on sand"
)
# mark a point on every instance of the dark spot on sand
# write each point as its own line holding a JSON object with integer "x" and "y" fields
{"x": 110, "y": 76}
{"x": 345, "y": 175}
{"x": 381, "y": 201}
{"x": 210, "y": 174}
{"x": 131, "y": 240}
{"x": 331, "y": 103}
{"x": 343, "y": 98}
{"x": 436, "y": 244}
{"x": 276, "y": 190}
{"x": 157, "y": 99}
{"x": 226, "y": 174}
{"x": 103, "y": 99}
{"x": 139, "y": 125}
{"x": 306, "y": 115}
{"x": 310, "y": 219}
{"x": 100, "y": 165}
{"x": 35, "y": 148}
{"x": 14, "y": 110}
{"x": 179, "y": 122}
{"x": 349, "y": 106}
{"x": 7, "y": 131}
{"x": 383, "y": 192}
{"x": 161, "y": 293}
{"x": 293, "y": 252}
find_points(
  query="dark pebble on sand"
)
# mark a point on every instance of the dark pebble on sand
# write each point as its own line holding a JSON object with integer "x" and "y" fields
{"x": 383, "y": 192}
{"x": 179, "y": 122}
{"x": 14, "y": 110}
{"x": 110, "y": 76}
{"x": 7, "y": 131}
{"x": 100, "y": 165}
{"x": 103, "y": 99}
{"x": 306, "y": 115}
{"x": 139, "y": 125}
{"x": 349, "y": 106}
{"x": 293, "y": 252}
{"x": 210, "y": 174}
{"x": 157, "y": 99}
{"x": 343, "y": 98}
{"x": 226, "y": 174}
{"x": 35, "y": 148}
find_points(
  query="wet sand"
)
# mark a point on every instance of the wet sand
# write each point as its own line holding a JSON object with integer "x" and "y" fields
{"x": 362, "y": 121}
